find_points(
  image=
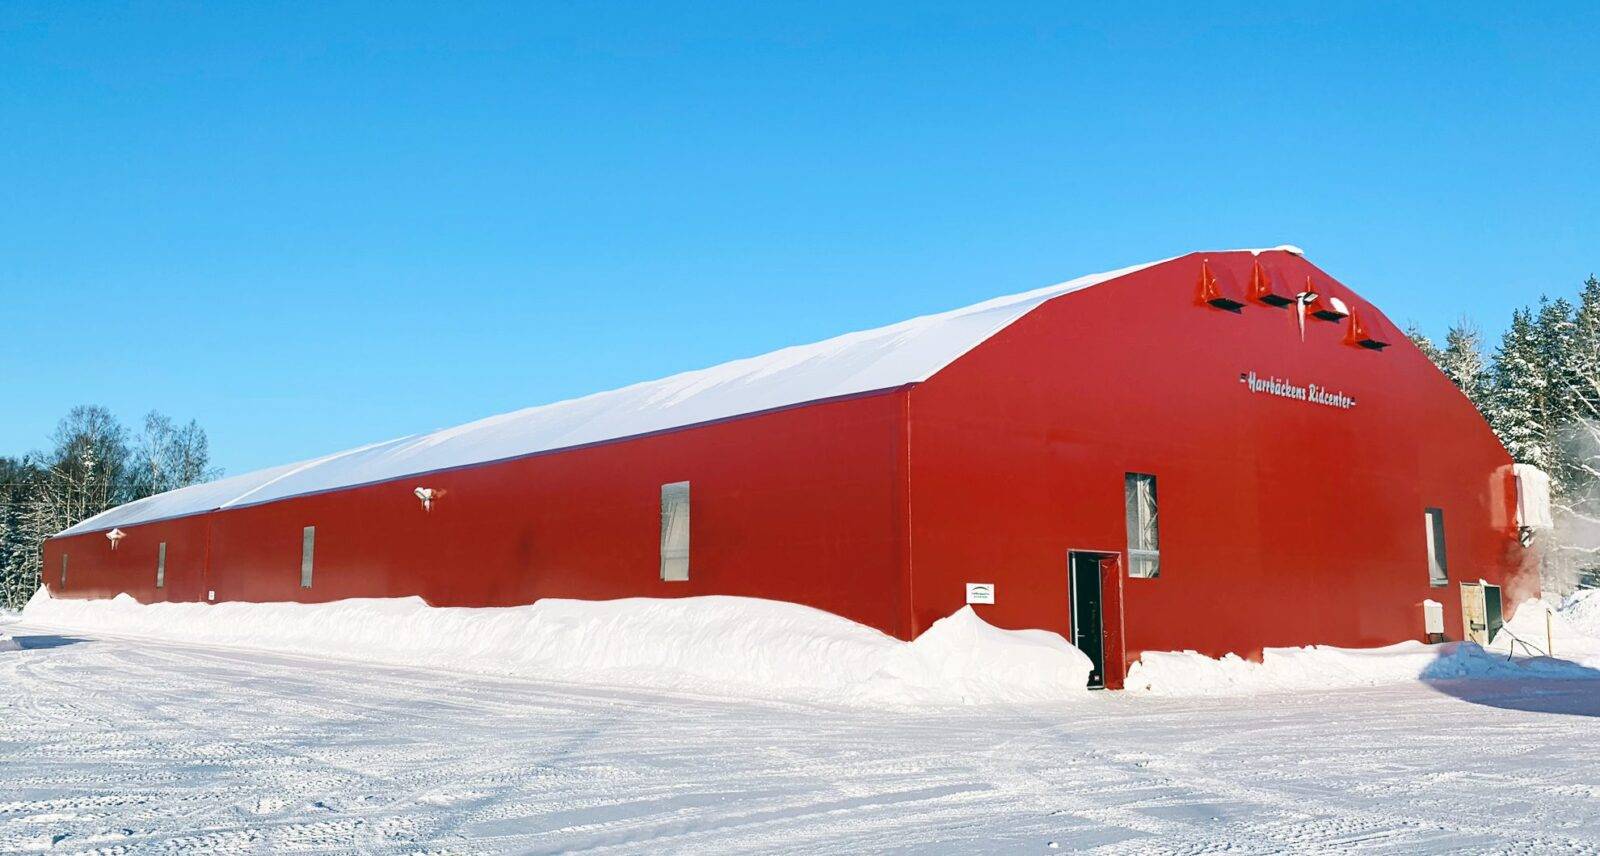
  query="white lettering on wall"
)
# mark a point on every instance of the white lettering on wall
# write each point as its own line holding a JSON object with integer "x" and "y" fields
{"x": 1284, "y": 388}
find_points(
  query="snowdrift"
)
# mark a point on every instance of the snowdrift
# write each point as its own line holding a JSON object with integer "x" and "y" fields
{"x": 714, "y": 645}
{"x": 1572, "y": 631}
{"x": 1321, "y": 667}
{"x": 1581, "y": 613}
{"x": 749, "y": 647}
{"x": 1576, "y": 648}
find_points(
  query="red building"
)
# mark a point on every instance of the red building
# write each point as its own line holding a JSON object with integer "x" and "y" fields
{"x": 1221, "y": 452}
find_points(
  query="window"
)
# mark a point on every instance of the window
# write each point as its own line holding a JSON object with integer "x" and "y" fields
{"x": 161, "y": 564}
{"x": 1438, "y": 570}
{"x": 675, "y": 531}
{"x": 308, "y": 546}
{"x": 1139, "y": 503}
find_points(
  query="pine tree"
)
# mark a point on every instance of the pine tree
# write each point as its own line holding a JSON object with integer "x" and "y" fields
{"x": 1425, "y": 344}
{"x": 1462, "y": 362}
{"x": 1582, "y": 368}
{"x": 19, "y": 550}
{"x": 1554, "y": 329}
{"x": 1574, "y": 554}
{"x": 1517, "y": 403}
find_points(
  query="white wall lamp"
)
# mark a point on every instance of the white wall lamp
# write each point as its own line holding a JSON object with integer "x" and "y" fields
{"x": 427, "y": 495}
{"x": 115, "y": 536}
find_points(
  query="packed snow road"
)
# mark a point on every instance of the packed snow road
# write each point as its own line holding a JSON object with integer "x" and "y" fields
{"x": 117, "y": 746}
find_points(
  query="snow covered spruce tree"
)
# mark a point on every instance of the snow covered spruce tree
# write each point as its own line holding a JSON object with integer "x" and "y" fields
{"x": 1425, "y": 344}
{"x": 1517, "y": 399}
{"x": 1581, "y": 358}
{"x": 1461, "y": 359}
{"x": 1541, "y": 394}
{"x": 19, "y": 559}
{"x": 1462, "y": 362}
{"x": 1574, "y": 555}
{"x": 1554, "y": 329}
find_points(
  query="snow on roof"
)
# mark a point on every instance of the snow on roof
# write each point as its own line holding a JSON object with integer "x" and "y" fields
{"x": 868, "y": 361}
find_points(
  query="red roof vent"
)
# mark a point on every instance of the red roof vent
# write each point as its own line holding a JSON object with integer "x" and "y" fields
{"x": 1360, "y": 337}
{"x": 1264, "y": 290}
{"x": 1211, "y": 290}
{"x": 1330, "y": 308}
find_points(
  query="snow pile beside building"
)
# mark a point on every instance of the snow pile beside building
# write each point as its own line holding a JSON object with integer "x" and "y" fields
{"x": 1321, "y": 667}
{"x": 1581, "y": 612}
{"x": 1518, "y": 650}
{"x": 1568, "y": 632}
{"x": 7, "y": 643}
{"x": 965, "y": 659}
{"x": 715, "y": 645}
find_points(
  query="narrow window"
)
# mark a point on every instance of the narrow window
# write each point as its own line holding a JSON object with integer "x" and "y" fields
{"x": 308, "y": 546}
{"x": 63, "y": 570}
{"x": 161, "y": 564}
{"x": 1139, "y": 503}
{"x": 1438, "y": 570}
{"x": 675, "y": 531}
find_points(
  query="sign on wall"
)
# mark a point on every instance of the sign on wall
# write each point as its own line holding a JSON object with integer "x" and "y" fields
{"x": 980, "y": 593}
{"x": 1310, "y": 393}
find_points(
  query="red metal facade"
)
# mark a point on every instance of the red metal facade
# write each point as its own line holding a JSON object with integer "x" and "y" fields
{"x": 801, "y": 504}
{"x": 1282, "y": 521}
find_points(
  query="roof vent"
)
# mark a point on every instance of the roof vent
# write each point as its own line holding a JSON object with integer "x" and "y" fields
{"x": 1360, "y": 337}
{"x": 1263, "y": 289}
{"x": 1211, "y": 290}
{"x": 1331, "y": 309}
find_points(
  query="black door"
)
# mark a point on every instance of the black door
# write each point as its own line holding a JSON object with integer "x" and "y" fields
{"x": 1087, "y": 631}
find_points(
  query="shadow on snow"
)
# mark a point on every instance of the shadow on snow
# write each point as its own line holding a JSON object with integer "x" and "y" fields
{"x": 43, "y": 640}
{"x": 1534, "y": 684}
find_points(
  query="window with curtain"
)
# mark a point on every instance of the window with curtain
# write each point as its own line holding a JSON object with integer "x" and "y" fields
{"x": 675, "y": 531}
{"x": 1139, "y": 503}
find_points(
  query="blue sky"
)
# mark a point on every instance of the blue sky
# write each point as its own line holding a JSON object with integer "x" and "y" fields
{"x": 316, "y": 226}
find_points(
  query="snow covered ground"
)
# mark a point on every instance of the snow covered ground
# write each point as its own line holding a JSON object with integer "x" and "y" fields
{"x": 120, "y": 746}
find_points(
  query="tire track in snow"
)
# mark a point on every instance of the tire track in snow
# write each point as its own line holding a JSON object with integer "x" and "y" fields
{"x": 158, "y": 748}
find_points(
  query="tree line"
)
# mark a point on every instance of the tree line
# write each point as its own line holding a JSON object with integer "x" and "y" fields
{"x": 1539, "y": 389}
{"x": 93, "y": 463}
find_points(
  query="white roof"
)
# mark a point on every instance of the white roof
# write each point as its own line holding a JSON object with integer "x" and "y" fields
{"x": 884, "y": 358}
